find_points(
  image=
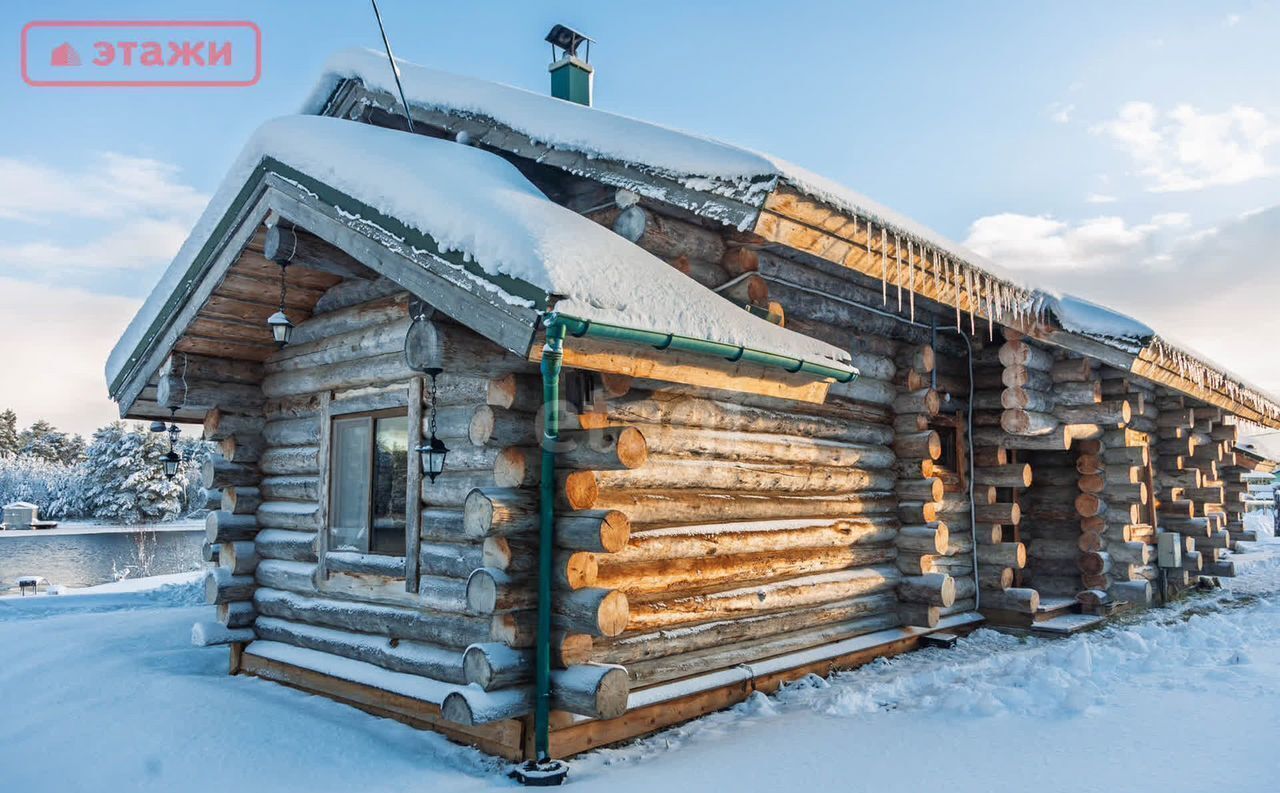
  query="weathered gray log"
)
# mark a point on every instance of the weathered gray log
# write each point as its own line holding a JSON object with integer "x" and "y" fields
{"x": 220, "y": 586}
{"x": 240, "y": 614}
{"x": 210, "y": 634}
{"x": 173, "y": 389}
{"x": 219, "y": 474}
{"x": 240, "y": 500}
{"x": 228, "y": 527}
{"x": 592, "y": 690}
{"x": 1011, "y": 475}
{"x": 450, "y": 630}
{"x": 290, "y": 488}
{"x": 458, "y": 350}
{"x": 935, "y": 589}
{"x": 1021, "y": 600}
{"x": 239, "y": 558}
{"x": 291, "y": 546}
{"x": 491, "y": 426}
{"x": 290, "y": 461}
{"x": 292, "y": 432}
{"x": 400, "y": 655}
{"x": 373, "y": 370}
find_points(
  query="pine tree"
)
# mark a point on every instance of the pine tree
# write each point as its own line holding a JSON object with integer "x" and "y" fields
{"x": 126, "y": 476}
{"x": 46, "y": 442}
{"x": 8, "y": 434}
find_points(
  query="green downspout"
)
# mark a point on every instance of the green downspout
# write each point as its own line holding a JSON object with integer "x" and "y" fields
{"x": 552, "y": 355}
{"x": 557, "y": 326}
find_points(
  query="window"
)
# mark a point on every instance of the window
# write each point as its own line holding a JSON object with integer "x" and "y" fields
{"x": 369, "y": 468}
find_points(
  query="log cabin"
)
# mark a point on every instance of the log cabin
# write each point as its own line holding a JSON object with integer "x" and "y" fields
{"x": 712, "y": 422}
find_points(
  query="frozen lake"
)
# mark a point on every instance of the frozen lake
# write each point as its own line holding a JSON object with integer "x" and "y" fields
{"x": 87, "y": 554}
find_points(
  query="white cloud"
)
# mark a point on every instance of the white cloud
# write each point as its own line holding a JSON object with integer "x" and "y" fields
{"x": 1028, "y": 243}
{"x": 1099, "y": 198}
{"x": 132, "y": 245}
{"x": 54, "y": 345}
{"x": 113, "y": 186}
{"x": 145, "y": 210}
{"x": 1231, "y": 20}
{"x": 1212, "y": 289}
{"x": 1060, "y": 112}
{"x": 1185, "y": 149}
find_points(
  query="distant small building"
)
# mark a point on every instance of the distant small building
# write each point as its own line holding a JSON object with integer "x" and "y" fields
{"x": 20, "y": 515}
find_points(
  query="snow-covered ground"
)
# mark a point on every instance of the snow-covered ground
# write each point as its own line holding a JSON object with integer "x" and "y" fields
{"x": 108, "y": 695}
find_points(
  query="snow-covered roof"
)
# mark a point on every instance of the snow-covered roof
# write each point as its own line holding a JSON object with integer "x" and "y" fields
{"x": 714, "y": 167}
{"x": 478, "y": 205}
{"x": 695, "y": 161}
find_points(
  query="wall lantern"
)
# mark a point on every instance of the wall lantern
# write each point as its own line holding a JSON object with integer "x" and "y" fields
{"x": 281, "y": 327}
{"x": 433, "y": 451}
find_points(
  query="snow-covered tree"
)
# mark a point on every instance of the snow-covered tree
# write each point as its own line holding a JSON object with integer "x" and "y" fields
{"x": 126, "y": 480}
{"x": 46, "y": 442}
{"x": 58, "y": 490}
{"x": 194, "y": 454}
{"x": 8, "y": 433}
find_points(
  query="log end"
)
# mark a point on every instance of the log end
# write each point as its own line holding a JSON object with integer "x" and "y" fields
{"x": 581, "y": 489}
{"x": 477, "y": 514}
{"x": 615, "y": 531}
{"x": 482, "y": 591}
{"x": 613, "y": 614}
{"x": 633, "y": 450}
{"x": 457, "y": 709}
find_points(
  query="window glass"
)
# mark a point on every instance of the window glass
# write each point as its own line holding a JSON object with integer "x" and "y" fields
{"x": 349, "y": 477}
{"x": 390, "y": 482}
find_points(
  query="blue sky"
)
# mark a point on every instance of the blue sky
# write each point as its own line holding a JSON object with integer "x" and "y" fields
{"x": 1125, "y": 151}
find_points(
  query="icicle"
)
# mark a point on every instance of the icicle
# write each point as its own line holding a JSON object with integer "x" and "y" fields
{"x": 897, "y": 269}
{"x": 953, "y": 275}
{"x": 970, "y": 295}
{"x": 911, "y": 279}
{"x": 937, "y": 280}
{"x": 884, "y": 267}
{"x": 991, "y": 311}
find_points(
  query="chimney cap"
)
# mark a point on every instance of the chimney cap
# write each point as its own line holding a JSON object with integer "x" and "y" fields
{"x": 567, "y": 39}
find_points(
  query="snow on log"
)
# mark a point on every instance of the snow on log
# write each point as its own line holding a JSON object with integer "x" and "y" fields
{"x": 209, "y": 634}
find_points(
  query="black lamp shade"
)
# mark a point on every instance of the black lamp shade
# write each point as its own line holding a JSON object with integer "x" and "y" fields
{"x": 171, "y": 462}
{"x": 433, "y": 454}
{"x": 281, "y": 328}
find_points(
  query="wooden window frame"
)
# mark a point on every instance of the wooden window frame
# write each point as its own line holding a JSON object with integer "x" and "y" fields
{"x": 372, "y": 417}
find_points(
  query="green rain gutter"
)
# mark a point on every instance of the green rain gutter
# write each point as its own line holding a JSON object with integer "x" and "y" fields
{"x": 557, "y": 327}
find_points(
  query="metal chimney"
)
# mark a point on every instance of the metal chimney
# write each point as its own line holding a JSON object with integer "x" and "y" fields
{"x": 572, "y": 78}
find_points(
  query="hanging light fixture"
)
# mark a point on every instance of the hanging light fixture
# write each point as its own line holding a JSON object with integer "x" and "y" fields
{"x": 281, "y": 327}
{"x": 171, "y": 459}
{"x": 171, "y": 462}
{"x": 434, "y": 451}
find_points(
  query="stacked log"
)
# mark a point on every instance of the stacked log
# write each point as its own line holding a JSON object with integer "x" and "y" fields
{"x": 229, "y": 393}
{"x": 999, "y": 481}
{"x": 1192, "y": 455}
{"x": 925, "y": 544}
{"x": 697, "y": 252}
{"x": 755, "y": 528}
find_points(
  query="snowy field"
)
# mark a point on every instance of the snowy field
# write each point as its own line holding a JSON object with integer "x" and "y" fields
{"x": 102, "y": 692}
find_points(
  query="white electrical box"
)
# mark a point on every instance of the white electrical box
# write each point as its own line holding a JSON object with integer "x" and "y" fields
{"x": 1169, "y": 549}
